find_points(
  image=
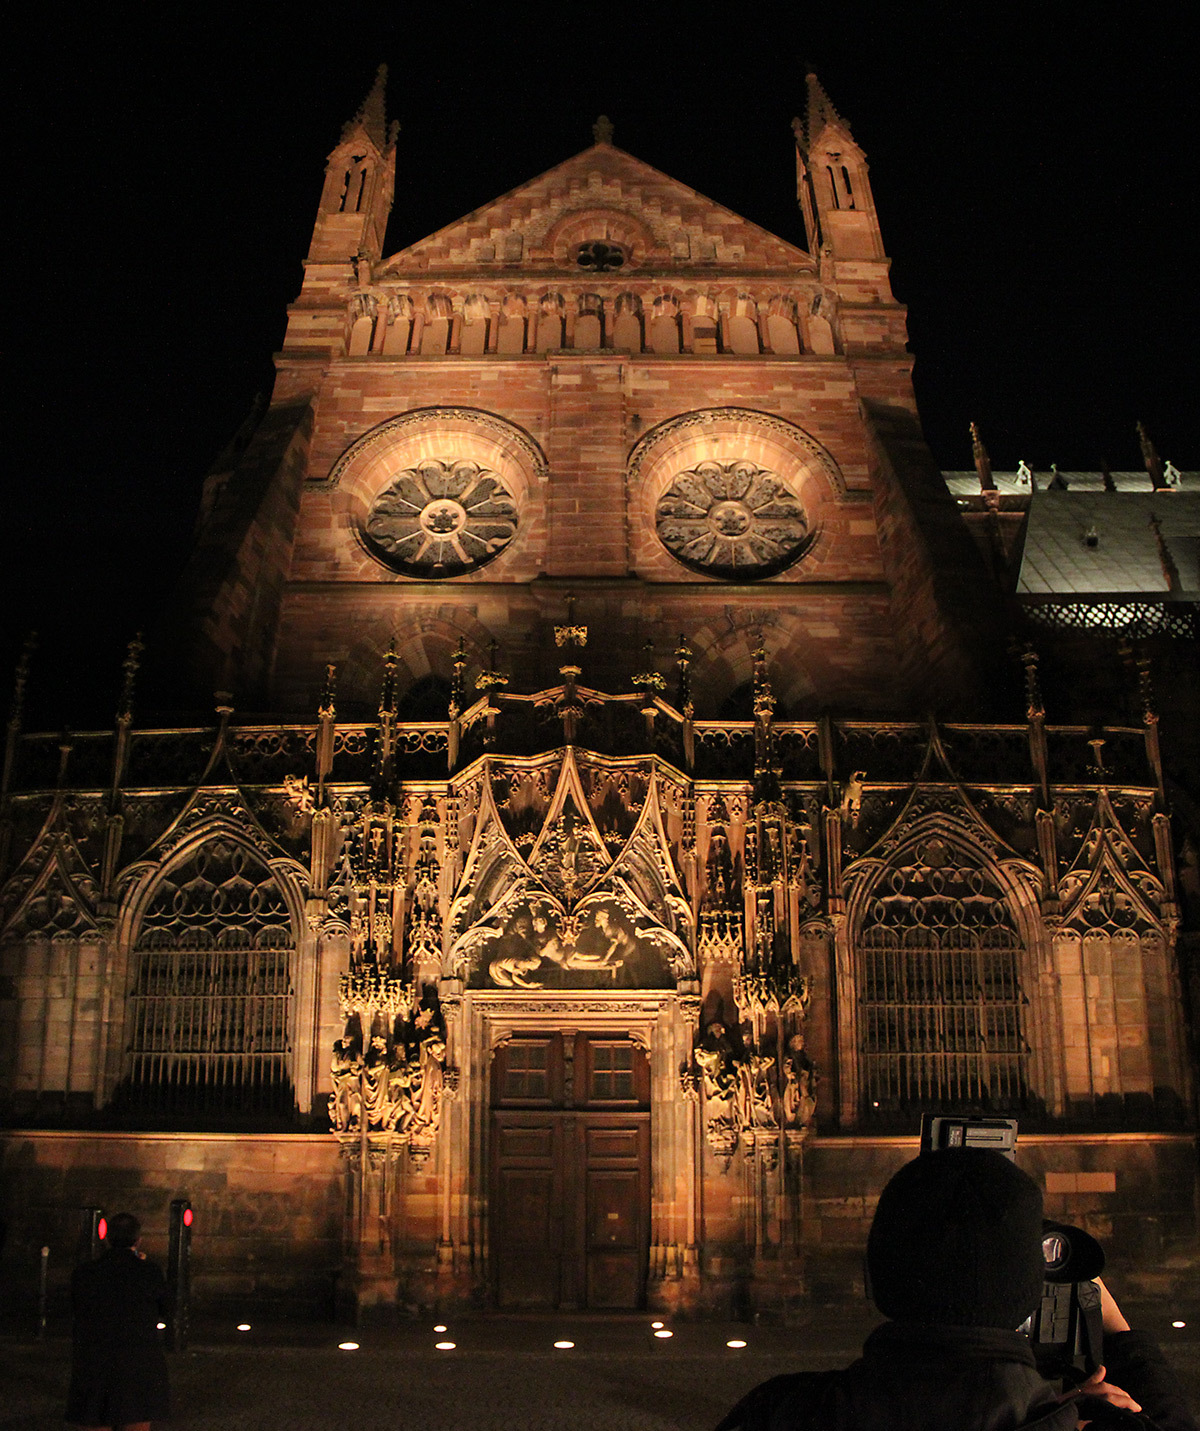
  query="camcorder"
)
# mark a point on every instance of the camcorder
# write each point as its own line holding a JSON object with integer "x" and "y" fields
{"x": 1066, "y": 1331}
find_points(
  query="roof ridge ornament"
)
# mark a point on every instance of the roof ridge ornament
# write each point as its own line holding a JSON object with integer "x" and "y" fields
{"x": 602, "y": 130}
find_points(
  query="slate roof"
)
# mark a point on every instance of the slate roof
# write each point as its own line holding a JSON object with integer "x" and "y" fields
{"x": 1091, "y": 542}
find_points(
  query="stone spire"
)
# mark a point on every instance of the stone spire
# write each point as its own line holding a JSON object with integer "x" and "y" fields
{"x": 371, "y": 116}
{"x": 820, "y": 110}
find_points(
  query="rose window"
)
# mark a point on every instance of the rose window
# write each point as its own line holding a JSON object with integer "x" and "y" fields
{"x": 441, "y": 519}
{"x": 731, "y": 519}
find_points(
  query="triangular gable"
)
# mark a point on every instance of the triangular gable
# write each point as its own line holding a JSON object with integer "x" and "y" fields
{"x": 52, "y": 872}
{"x": 668, "y": 222}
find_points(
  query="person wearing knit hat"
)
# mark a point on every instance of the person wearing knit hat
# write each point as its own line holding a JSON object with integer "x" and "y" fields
{"x": 957, "y": 1240}
{"x": 954, "y": 1259}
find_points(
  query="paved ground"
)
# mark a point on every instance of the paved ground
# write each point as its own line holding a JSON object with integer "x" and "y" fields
{"x": 502, "y": 1375}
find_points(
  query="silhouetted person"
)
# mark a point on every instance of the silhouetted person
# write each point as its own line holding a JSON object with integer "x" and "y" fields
{"x": 118, "y": 1367}
{"x": 954, "y": 1258}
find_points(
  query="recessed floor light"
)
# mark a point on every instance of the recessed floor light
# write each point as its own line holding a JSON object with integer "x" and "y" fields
{"x": 162, "y": 1326}
{"x": 662, "y": 1332}
{"x": 445, "y": 1346}
{"x": 1179, "y": 1324}
{"x": 736, "y": 1342}
{"x": 656, "y": 1325}
{"x": 564, "y": 1346}
{"x": 440, "y": 1329}
{"x": 243, "y": 1326}
{"x": 347, "y": 1346}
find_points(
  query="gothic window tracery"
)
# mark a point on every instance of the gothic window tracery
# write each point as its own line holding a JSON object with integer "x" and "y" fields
{"x": 732, "y": 519}
{"x": 211, "y": 1002}
{"x": 441, "y": 518}
{"x": 940, "y": 1000}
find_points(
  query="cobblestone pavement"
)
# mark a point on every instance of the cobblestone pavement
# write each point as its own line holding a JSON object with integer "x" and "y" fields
{"x": 501, "y": 1375}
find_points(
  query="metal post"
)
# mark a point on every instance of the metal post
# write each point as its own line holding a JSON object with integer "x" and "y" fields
{"x": 43, "y": 1291}
{"x": 179, "y": 1274}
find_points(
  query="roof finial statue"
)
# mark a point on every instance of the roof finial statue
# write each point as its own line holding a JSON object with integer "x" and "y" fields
{"x": 1150, "y": 457}
{"x": 602, "y": 130}
{"x": 983, "y": 463}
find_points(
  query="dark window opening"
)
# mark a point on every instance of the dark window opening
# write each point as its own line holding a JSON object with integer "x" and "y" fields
{"x": 599, "y": 257}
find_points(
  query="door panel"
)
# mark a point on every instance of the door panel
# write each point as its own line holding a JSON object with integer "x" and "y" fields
{"x": 570, "y": 1188}
{"x": 613, "y": 1244}
{"x": 528, "y": 1197}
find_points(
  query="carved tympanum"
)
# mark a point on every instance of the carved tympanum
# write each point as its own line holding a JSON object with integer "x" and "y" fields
{"x": 732, "y": 519}
{"x": 441, "y": 518}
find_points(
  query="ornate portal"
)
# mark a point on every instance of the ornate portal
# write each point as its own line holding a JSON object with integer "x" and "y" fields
{"x": 731, "y": 519}
{"x": 441, "y": 518}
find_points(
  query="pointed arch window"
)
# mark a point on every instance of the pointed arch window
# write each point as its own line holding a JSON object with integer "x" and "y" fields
{"x": 210, "y": 1009}
{"x": 941, "y": 1009}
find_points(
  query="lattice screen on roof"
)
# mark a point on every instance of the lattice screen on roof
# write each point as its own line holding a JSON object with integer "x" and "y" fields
{"x": 938, "y": 990}
{"x": 212, "y": 997}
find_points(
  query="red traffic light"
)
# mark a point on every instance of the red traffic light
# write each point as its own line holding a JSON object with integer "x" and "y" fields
{"x": 102, "y": 1228}
{"x": 187, "y": 1217}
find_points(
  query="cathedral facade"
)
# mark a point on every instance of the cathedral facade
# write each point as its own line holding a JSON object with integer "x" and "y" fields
{"x": 638, "y": 853}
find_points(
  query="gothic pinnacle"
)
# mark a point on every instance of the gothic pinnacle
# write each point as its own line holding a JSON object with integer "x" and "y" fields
{"x": 371, "y": 116}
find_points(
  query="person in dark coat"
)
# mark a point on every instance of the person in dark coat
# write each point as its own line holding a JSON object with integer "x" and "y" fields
{"x": 954, "y": 1258}
{"x": 118, "y": 1366}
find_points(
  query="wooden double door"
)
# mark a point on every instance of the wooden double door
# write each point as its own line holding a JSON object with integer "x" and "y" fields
{"x": 570, "y": 1191}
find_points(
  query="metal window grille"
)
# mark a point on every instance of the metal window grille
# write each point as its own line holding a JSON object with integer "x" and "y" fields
{"x": 940, "y": 1001}
{"x": 211, "y": 1004}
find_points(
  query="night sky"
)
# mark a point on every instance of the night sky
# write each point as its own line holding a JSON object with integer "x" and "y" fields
{"x": 1034, "y": 183}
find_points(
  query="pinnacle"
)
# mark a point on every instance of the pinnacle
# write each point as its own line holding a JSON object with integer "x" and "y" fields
{"x": 821, "y": 109}
{"x": 371, "y": 117}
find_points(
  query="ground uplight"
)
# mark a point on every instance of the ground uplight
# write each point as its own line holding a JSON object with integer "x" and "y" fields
{"x": 347, "y": 1346}
{"x": 243, "y": 1326}
{"x": 445, "y": 1346}
{"x": 656, "y": 1325}
{"x": 162, "y": 1326}
{"x": 662, "y": 1332}
{"x": 1179, "y": 1324}
{"x": 736, "y": 1342}
{"x": 564, "y": 1346}
{"x": 440, "y": 1329}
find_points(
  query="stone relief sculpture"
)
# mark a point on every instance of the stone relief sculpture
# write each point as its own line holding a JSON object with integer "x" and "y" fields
{"x": 731, "y": 519}
{"x": 441, "y": 518}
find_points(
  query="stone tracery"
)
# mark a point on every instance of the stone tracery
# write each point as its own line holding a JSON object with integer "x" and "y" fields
{"x": 441, "y": 518}
{"x": 731, "y": 519}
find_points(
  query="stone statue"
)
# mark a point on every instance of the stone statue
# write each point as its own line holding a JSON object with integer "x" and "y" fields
{"x": 345, "y": 1101}
{"x": 715, "y": 1058}
{"x": 1024, "y": 474}
{"x": 799, "y": 1085}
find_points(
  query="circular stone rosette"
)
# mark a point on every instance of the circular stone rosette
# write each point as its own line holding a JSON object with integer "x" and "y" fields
{"x": 731, "y": 519}
{"x": 441, "y": 518}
